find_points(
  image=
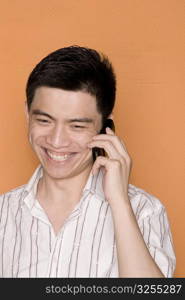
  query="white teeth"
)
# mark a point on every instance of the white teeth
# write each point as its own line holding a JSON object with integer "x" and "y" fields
{"x": 58, "y": 157}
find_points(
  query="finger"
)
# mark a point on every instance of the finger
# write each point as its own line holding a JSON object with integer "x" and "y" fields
{"x": 107, "y": 146}
{"x": 101, "y": 161}
{"x": 114, "y": 139}
{"x": 109, "y": 131}
{"x": 114, "y": 150}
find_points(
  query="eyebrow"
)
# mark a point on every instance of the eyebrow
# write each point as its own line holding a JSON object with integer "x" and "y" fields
{"x": 42, "y": 113}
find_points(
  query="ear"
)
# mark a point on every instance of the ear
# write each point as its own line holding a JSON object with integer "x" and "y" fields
{"x": 26, "y": 111}
{"x": 111, "y": 116}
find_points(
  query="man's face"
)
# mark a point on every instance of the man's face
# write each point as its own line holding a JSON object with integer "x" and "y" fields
{"x": 61, "y": 123}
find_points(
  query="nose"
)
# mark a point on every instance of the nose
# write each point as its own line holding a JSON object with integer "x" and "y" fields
{"x": 58, "y": 137}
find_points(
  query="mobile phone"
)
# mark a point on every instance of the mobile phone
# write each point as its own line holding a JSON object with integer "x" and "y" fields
{"x": 100, "y": 151}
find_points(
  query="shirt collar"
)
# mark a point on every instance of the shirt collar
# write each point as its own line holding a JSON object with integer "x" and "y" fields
{"x": 30, "y": 190}
{"x": 93, "y": 186}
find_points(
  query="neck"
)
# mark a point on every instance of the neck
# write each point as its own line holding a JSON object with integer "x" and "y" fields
{"x": 61, "y": 191}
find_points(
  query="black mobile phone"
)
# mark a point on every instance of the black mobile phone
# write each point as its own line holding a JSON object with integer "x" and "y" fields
{"x": 100, "y": 151}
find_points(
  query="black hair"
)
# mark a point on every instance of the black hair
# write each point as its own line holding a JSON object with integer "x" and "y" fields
{"x": 76, "y": 68}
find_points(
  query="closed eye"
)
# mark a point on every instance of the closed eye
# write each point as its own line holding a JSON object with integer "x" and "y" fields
{"x": 42, "y": 120}
{"x": 77, "y": 126}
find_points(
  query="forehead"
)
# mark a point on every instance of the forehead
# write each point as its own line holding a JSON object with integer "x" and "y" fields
{"x": 66, "y": 103}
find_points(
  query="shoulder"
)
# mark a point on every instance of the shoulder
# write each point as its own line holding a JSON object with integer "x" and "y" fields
{"x": 14, "y": 195}
{"x": 143, "y": 203}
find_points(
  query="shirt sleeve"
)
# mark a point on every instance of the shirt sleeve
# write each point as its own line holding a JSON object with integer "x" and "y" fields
{"x": 155, "y": 228}
{"x": 154, "y": 225}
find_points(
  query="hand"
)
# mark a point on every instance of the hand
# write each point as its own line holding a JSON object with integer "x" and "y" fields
{"x": 117, "y": 165}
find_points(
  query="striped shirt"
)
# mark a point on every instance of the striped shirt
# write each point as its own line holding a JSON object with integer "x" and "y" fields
{"x": 85, "y": 245}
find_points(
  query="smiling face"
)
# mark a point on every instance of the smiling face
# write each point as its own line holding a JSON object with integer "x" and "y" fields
{"x": 61, "y": 123}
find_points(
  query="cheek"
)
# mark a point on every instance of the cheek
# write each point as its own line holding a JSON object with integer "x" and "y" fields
{"x": 30, "y": 138}
{"x": 83, "y": 139}
{"x": 34, "y": 135}
{"x": 30, "y": 135}
{"x": 37, "y": 131}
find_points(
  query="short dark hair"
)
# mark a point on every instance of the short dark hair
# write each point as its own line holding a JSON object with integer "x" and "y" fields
{"x": 76, "y": 68}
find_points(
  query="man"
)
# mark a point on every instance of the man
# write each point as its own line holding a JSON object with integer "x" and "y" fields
{"x": 77, "y": 217}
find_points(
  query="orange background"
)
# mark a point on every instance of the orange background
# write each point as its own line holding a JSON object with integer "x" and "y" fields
{"x": 145, "y": 40}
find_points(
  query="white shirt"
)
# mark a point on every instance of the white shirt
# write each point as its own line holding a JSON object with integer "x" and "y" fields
{"x": 85, "y": 245}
